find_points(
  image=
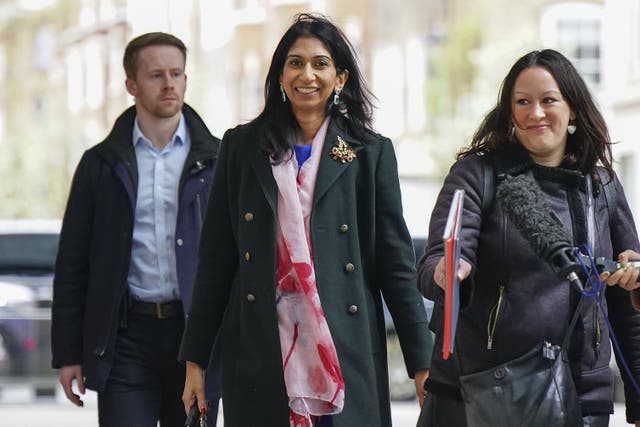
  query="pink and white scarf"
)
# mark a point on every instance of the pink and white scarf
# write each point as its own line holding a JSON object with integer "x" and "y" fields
{"x": 312, "y": 372}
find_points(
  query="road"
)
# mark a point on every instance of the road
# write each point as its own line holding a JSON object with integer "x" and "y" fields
{"x": 52, "y": 412}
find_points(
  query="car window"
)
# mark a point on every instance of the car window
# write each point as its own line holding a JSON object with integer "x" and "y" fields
{"x": 27, "y": 252}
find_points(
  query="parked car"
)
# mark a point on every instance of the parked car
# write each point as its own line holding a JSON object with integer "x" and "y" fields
{"x": 27, "y": 256}
{"x": 401, "y": 387}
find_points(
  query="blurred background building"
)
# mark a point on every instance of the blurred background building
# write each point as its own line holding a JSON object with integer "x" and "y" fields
{"x": 434, "y": 65}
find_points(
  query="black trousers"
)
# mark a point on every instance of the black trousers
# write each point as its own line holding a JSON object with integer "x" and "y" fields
{"x": 146, "y": 381}
{"x": 439, "y": 411}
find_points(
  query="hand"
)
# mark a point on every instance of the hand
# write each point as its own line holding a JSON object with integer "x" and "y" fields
{"x": 67, "y": 375}
{"x": 625, "y": 278}
{"x": 464, "y": 270}
{"x": 420, "y": 377}
{"x": 194, "y": 387}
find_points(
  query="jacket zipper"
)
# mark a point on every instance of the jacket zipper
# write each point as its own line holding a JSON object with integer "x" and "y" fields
{"x": 493, "y": 319}
{"x": 598, "y": 332}
{"x": 199, "y": 214}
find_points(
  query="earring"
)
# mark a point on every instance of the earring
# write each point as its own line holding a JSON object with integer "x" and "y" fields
{"x": 336, "y": 97}
{"x": 284, "y": 96}
{"x": 571, "y": 129}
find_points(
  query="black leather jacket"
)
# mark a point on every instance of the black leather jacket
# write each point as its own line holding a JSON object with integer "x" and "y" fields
{"x": 513, "y": 300}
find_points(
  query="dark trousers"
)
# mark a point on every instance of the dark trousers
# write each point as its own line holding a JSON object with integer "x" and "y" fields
{"x": 146, "y": 381}
{"x": 439, "y": 411}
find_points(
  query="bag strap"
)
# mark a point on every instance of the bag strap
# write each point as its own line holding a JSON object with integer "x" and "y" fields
{"x": 609, "y": 194}
{"x": 488, "y": 186}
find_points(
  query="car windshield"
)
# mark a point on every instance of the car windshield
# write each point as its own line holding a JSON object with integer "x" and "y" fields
{"x": 27, "y": 252}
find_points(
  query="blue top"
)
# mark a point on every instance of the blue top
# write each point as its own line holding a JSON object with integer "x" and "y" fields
{"x": 303, "y": 152}
{"x": 153, "y": 273}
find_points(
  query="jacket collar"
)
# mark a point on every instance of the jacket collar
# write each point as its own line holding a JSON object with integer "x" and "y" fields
{"x": 117, "y": 149}
{"x": 117, "y": 146}
{"x": 328, "y": 170}
{"x": 515, "y": 160}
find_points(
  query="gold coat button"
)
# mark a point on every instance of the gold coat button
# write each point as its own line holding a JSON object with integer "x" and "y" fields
{"x": 251, "y": 297}
{"x": 353, "y": 309}
{"x": 343, "y": 228}
{"x": 247, "y": 256}
{"x": 248, "y": 217}
{"x": 350, "y": 268}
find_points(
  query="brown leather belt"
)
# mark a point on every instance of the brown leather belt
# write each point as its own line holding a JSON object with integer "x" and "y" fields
{"x": 159, "y": 310}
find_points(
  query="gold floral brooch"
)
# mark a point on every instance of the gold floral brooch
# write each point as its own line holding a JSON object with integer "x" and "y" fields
{"x": 342, "y": 152}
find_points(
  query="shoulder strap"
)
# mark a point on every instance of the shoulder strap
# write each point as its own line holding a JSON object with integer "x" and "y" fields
{"x": 608, "y": 186}
{"x": 488, "y": 186}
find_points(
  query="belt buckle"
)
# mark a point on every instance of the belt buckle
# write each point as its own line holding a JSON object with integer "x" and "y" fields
{"x": 159, "y": 313}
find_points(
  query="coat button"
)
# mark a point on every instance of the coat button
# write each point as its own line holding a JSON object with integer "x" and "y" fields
{"x": 343, "y": 228}
{"x": 180, "y": 242}
{"x": 251, "y": 297}
{"x": 247, "y": 256}
{"x": 350, "y": 268}
{"x": 353, "y": 309}
{"x": 248, "y": 217}
{"x": 499, "y": 373}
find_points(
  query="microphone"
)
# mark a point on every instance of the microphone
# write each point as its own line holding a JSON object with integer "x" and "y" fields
{"x": 525, "y": 205}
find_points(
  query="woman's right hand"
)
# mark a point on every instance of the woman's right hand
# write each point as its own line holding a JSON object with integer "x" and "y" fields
{"x": 464, "y": 270}
{"x": 194, "y": 387}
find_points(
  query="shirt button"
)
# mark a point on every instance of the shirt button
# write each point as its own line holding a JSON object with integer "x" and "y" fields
{"x": 343, "y": 228}
{"x": 350, "y": 268}
{"x": 251, "y": 297}
{"x": 353, "y": 309}
{"x": 247, "y": 256}
{"x": 248, "y": 217}
{"x": 180, "y": 242}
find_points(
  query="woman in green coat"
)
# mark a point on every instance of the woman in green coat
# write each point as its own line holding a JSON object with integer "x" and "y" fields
{"x": 303, "y": 237}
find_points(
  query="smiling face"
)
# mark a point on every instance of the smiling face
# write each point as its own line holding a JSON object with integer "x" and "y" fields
{"x": 540, "y": 115}
{"x": 160, "y": 82}
{"x": 309, "y": 77}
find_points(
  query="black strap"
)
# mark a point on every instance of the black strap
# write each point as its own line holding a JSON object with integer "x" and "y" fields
{"x": 609, "y": 190}
{"x": 488, "y": 186}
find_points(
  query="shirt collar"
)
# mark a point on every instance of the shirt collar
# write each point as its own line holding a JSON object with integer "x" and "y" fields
{"x": 178, "y": 138}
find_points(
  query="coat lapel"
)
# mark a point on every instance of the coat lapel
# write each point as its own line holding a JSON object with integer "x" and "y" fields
{"x": 262, "y": 168}
{"x": 329, "y": 169}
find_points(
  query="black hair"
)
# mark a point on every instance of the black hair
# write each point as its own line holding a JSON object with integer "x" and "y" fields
{"x": 355, "y": 107}
{"x": 590, "y": 143}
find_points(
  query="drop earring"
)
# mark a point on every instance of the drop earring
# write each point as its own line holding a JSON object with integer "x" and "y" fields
{"x": 336, "y": 97}
{"x": 571, "y": 129}
{"x": 284, "y": 96}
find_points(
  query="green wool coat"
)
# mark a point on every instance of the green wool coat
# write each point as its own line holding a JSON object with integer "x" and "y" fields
{"x": 362, "y": 251}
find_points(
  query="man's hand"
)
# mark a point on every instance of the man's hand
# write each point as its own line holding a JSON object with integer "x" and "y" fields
{"x": 67, "y": 375}
{"x": 420, "y": 377}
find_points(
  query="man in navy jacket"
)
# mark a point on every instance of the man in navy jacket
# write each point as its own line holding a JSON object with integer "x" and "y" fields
{"x": 128, "y": 248}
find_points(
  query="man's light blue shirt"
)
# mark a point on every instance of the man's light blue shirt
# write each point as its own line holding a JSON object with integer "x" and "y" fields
{"x": 153, "y": 273}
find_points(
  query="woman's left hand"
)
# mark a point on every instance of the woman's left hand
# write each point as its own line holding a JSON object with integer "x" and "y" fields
{"x": 420, "y": 377}
{"x": 626, "y": 278}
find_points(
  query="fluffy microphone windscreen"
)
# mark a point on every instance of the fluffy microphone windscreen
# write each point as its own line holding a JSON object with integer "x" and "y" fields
{"x": 524, "y": 204}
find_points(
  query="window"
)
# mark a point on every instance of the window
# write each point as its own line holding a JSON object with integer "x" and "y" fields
{"x": 575, "y": 29}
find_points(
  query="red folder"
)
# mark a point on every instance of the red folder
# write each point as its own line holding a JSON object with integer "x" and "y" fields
{"x": 451, "y": 237}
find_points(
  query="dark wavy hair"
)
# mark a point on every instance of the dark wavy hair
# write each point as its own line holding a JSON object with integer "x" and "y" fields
{"x": 355, "y": 108}
{"x": 590, "y": 143}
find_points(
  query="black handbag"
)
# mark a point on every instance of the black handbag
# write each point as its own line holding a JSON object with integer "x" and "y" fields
{"x": 535, "y": 389}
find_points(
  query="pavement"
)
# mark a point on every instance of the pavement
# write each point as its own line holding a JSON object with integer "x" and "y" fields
{"x": 53, "y": 412}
